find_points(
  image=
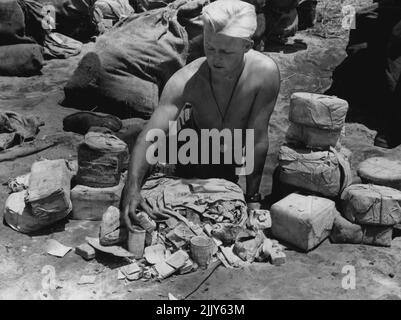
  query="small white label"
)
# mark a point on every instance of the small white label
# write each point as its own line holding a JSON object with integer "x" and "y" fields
{"x": 108, "y": 23}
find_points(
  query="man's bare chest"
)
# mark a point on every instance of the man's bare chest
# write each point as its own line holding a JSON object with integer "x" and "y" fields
{"x": 211, "y": 110}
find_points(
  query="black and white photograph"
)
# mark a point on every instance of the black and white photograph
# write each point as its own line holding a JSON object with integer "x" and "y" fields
{"x": 222, "y": 151}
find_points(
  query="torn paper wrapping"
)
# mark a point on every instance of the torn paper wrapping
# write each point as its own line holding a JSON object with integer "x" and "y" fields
{"x": 323, "y": 172}
{"x": 114, "y": 250}
{"x": 101, "y": 155}
{"x": 18, "y": 215}
{"x": 49, "y": 189}
{"x": 19, "y": 183}
{"x": 347, "y": 232}
{"x": 214, "y": 196}
{"x": 111, "y": 232}
{"x": 372, "y": 204}
{"x": 90, "y": 203}
{"x": 318, "y": 110}
{"x": 312, "y": 137}
{"x": 55, "y": 248}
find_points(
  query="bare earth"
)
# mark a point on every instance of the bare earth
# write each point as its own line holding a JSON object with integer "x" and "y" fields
{"x": 316, "y": 275}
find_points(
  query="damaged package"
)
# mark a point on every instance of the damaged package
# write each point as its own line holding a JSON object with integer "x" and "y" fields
{"x": 316, "y": 120}
{"x": 326, "y": 173}
{"x": 215, "y": 199}
{"x": 49, "y": 189}
{"x": 18, "y": 214}
{"x": 90, "y": 203}
{"x": 347, "y": 232}
{"x": 310, "y": 137}
{"x": 111, "y": 232}
{"x": 101, "y": 155}
{"x": 318, "y": 111}
{"x": 372, "y": 204}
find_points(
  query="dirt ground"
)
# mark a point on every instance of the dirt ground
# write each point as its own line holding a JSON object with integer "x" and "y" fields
{"x": 315, "y": 275}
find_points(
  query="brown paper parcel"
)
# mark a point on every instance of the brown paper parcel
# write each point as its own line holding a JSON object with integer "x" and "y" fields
{"x": 324, "y": 172}
{"x": 372, "y": 204}
{"x": 49, "y": 188}
{"x": 304, "y": 221}
{"x": 318, "y": 110}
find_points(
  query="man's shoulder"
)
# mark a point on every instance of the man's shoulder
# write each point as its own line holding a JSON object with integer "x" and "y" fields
{"x": 263, "y": 72}
{"x": 260, "y": 62}
{"x": 193, "y": 67}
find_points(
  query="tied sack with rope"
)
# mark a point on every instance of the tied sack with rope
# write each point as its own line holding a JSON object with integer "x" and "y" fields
{"x": 130, "y": 64}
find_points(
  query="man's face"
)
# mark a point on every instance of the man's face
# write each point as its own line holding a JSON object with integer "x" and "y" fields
{"x": 224, "y": 54}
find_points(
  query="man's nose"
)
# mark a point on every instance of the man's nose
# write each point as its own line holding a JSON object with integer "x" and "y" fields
{"x": 217, "y": 57}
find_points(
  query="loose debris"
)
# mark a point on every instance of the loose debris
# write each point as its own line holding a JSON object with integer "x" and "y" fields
{"x": 155, "y": 254}
{"x": 86, "y": 251}
{"x": 114, "y": 250}
{"x": 207, "y": 221}
{"x": 55, "y": 248}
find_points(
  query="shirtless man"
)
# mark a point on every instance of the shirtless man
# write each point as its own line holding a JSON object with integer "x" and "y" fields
{"x": 234, "y": 87}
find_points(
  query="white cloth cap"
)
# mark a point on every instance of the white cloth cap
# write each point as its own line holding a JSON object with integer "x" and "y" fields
{"x": 234, "y": 18}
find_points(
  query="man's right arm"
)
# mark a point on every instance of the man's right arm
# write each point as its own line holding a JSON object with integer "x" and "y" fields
{"x": 171, "y": 103}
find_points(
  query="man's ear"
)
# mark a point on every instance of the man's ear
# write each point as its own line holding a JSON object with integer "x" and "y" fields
{"x": 248, "y": 45}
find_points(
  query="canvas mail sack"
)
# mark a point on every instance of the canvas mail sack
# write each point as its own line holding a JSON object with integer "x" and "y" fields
{"x": 20, "y": 60}
{"x": 130, "y": 65}
{"x": 126, "y": 72}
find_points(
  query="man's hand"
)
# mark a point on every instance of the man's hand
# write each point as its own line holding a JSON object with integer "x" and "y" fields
{"x": 132, "y": 200}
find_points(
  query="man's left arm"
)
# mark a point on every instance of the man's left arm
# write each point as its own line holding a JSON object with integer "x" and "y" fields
{"x": 262, "y": 110}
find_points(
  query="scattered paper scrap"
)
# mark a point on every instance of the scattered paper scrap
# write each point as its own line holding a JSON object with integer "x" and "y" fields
{"x": 177, "y": 259}
{"x": 114, "y": 250}
{"x": 120, "y": 275}
{"x": 155, "y": 254}
{"x": 135, "y": 276}
{"x": 130, "y": 272}
{"x": 131, "y": 268}
{"x": 222, "y": 258}
{"x": 187, "y": 267}
{"x": 171, "y": 297}
{"x": 164, "y": 270}
{"x": 55, "y": 248}
{"x": 171, "y": 222}
{"x": 232, "y": 258}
